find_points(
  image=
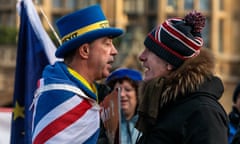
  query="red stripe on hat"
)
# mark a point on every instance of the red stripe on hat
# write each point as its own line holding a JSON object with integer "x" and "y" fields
{"x": 57, "y": 125}
{"x": 181, "y": 37}
{"x": 166, "y": 48}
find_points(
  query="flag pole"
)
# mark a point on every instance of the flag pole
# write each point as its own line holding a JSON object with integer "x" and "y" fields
{"x": 48, "y": 22}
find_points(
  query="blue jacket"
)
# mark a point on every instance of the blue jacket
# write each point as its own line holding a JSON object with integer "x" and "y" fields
{"x": 129, "y": 133}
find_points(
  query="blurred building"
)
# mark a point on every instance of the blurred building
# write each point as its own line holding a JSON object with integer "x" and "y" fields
{"x": 7, "y": 51}
{"x": 138, "y": 17}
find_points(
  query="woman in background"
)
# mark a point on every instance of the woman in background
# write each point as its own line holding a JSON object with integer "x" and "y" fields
{"x": 127, "y": 80}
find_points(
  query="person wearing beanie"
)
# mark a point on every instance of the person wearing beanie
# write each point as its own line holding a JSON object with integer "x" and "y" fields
{"x": 66, "y": 106}
{"x": 234, "y": 115}
{"x": 178, "y": 98}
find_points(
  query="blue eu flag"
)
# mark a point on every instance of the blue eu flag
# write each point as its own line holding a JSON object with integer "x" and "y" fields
{"x": 35, "y": 51}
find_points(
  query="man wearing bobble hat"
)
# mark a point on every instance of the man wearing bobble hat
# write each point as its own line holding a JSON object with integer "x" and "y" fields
{"x": 179, "y": 96}
{"x": 66, "y": 103}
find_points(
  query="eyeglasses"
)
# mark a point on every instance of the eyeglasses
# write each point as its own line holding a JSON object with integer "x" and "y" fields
{"x": 125, "y": 89}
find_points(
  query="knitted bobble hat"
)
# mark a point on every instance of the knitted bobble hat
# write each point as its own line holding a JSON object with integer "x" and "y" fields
{"x": 176, "y": 39}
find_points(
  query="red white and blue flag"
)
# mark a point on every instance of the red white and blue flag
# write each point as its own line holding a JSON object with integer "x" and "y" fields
{"x": 72, "y": 118}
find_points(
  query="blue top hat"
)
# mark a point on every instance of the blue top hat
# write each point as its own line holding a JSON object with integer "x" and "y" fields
{"x": 124, "y": 72}
{"x": 83, "y": 26}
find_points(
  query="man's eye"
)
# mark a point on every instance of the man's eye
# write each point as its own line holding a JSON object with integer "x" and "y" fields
{"x": 108, "y": 43}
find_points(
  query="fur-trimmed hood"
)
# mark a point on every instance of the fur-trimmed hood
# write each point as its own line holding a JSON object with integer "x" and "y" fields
{"x": 190, "y": 76}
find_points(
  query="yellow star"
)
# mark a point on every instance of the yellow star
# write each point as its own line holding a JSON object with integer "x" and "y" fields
{"x": 18, "y": 111}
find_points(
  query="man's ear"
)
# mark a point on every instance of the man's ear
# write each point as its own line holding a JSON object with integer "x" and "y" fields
{"x": 84, "y": 50}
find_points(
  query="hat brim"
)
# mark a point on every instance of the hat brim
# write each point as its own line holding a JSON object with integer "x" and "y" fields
{"x": 134, "y": 75}
{"x": 86, "y": 38}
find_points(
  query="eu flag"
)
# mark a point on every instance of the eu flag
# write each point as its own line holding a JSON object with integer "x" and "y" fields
{"x": 35, "y": 51}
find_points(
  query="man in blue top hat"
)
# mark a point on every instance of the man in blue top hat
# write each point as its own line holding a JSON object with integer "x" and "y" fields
{"x": 66, "y": 103}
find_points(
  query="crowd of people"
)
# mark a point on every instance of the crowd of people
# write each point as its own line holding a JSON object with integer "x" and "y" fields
{"x": 175, "y": 99}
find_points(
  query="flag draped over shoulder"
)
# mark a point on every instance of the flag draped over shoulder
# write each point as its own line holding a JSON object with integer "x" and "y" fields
{"x": 35, "y": 51}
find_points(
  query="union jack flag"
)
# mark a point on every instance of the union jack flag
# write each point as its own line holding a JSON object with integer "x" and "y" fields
{"x": 65, "y": 119}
